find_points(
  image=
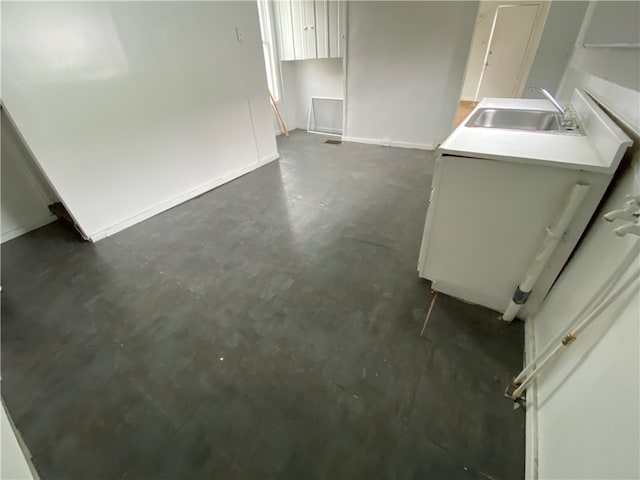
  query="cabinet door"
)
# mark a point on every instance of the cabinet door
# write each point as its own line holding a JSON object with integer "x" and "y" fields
{"x": 336, "y": 12}
{"x": 309, "y": 29}
{"x": 284, "y": 28}
{"x": 322, "y": 27}
{"x": 297, "y": 28}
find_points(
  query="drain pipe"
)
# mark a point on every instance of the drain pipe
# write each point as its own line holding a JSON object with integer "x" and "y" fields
{"x": 548, "y": 246}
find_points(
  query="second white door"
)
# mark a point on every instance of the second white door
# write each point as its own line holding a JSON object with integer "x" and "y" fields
{"x": 508, "y": 50}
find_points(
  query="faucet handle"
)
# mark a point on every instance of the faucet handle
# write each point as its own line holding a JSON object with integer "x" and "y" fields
{"x": 569, "y": 118}
{"x": 629, "y": 228}
{"x": 629, "y": 212}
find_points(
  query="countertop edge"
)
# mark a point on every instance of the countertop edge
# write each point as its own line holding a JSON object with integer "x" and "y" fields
{"x": 523, "y": 160}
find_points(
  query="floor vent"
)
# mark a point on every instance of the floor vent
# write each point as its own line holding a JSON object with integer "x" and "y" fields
{"x": 333, "y": 142}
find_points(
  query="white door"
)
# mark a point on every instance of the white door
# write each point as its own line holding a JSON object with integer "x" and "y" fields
{"x": 507, "y": 51}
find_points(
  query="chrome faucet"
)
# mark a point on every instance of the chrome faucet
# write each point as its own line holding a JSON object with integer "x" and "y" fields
{"x": 567, "y": 113}
{"x": 551, "y": 98}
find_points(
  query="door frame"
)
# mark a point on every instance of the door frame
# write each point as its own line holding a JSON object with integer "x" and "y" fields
{"x": 532, "y": 47}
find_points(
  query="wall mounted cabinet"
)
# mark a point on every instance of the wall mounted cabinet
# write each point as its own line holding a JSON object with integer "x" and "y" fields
{"x": 310, "y": 29}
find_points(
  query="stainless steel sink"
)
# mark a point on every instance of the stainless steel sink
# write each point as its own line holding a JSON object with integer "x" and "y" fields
{"x": 527, "y": 120}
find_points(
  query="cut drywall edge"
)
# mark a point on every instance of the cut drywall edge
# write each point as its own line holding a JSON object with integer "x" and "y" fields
{"x": 389, "y": 143}
{"x": 175, "y": 201}
{"x": 22, "y": 230}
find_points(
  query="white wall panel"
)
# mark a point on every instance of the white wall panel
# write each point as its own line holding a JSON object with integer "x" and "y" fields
{"x": 588, "y": 400}
{"x": 404, "y": 68}
{"x": 132, "y": 107}
{"x": 556, "y": 46}
{"x": 13, "y": 459}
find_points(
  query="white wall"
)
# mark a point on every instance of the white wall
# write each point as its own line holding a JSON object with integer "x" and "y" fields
{"x": 25, "y": 194}
{"x": 556, "y": 45}
{"x": 13, "y": 464}
{"x": 303, "y": 79}
{"x": 619, "y": 66}
{"x": 404, "y": 69}
{"x": 588, "y": 400}
{"x": 589, "y": 425}
{"x": 133, "y": 107}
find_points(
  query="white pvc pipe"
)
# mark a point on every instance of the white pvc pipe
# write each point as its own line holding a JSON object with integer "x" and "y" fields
{"x": 608, "y": 284}
{"x": 548, "y": 246}
{"x": 611, "y": 45}
{"x": 575, "y": 332}
{"x": 511, "y": 311}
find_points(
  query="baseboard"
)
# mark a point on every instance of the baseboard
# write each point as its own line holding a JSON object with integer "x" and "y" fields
{"x": 264, "y": 161}
{"x": 177, "y": 200}
{"x": 531, "y": 417}
{"x": 22, "y": 230}
{"x": 390, "y": 143}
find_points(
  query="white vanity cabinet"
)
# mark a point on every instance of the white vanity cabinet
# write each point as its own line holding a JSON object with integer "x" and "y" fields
{"x": 486, "y": 219}
{"x": 310, "y": 29}
{"x": 495, "y": 194}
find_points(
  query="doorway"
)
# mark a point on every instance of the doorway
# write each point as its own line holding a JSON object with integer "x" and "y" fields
{"x": 506, "y": 53}
{"x": 504, "y": 44}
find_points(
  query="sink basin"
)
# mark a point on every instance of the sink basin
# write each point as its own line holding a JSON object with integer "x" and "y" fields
{"x": 527, "y": 120}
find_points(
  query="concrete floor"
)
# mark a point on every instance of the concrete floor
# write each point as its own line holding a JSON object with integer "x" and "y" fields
{"x": 267, "y": 329}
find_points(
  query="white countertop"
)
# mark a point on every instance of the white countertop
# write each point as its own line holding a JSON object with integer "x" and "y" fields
{"x": 561, "y": 150}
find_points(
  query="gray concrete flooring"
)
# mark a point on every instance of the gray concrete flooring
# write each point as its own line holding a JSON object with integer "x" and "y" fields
{"x": 266, "y": 329}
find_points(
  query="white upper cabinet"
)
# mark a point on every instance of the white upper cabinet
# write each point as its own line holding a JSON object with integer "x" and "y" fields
{"x": 336, "y": 29}
{"x": 322, "y": 28}
{"x": 310, "y": 29}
